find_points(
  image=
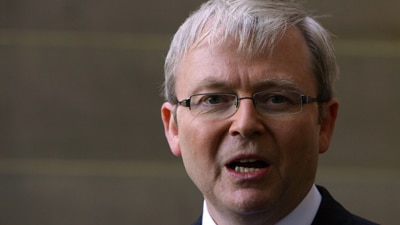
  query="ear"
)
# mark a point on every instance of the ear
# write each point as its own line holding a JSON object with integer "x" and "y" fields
{"x": 170, "y": 127}
{"x": 327, "y": 123}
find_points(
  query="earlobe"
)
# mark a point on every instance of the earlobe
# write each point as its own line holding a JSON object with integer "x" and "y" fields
{"x": 170, "y": 127}
{"x": 330, "y": 112}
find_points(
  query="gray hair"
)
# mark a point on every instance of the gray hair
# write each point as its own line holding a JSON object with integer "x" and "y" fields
{"x": 257, "y": 25}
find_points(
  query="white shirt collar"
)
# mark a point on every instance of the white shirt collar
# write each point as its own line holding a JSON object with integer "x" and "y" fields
{"x": 207, "y": 219}
{"x": 303, "y": 214}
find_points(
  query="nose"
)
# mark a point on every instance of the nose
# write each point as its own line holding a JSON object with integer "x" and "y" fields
{"x": 247, "y": 122}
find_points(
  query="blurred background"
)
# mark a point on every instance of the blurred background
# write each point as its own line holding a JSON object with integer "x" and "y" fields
{"x": 81, "y": 139}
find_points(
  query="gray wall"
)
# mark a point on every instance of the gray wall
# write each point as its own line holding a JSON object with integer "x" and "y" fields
{"x": 81, "y": 140}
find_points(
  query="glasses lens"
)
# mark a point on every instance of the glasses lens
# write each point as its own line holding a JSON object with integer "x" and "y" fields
{"x": 278, "y": 102}
{"x": 213, "y": 105}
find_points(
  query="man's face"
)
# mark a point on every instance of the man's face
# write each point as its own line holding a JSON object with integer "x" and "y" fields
{"x": 284, "y": 149}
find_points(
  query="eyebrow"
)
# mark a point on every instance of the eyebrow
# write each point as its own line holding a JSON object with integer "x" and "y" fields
{"x": 207, "y": 84}
{"x": 276, "y": 82}
{"x": 268, "y": 83}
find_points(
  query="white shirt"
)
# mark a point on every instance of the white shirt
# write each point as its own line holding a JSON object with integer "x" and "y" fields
{"x": 303, "y": 214}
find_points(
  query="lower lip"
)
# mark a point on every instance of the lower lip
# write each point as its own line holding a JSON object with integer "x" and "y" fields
{"x": 248, "y": 175}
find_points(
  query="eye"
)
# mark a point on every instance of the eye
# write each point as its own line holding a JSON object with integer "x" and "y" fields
{"x": 276, "y": 99}
{"x": 272, "y": 98}
{"x": 214, "y": 99}
{"x": 212, "y": 103}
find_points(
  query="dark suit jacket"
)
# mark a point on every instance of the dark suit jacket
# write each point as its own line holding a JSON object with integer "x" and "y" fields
{"x": 330, "y": 212}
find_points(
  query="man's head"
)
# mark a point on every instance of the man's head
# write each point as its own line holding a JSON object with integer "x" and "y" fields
{"x": 257, "y": 26}
{"x": 249, "y": 90}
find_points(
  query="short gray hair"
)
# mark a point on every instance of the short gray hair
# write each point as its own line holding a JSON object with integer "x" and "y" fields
{"x": 257, "y": 25}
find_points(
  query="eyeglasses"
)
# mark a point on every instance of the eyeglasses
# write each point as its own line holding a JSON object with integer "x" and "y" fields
{"x": 270, "y": 103}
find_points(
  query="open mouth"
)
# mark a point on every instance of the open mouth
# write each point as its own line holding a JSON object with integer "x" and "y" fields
{"x": 247, "y": 165}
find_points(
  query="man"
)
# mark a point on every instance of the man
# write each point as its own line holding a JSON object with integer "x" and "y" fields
{"x": 249, "y": 108}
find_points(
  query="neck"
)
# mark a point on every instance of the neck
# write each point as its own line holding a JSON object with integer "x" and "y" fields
{"x": 302, "y": 212}
{"x": 225, "y": 217}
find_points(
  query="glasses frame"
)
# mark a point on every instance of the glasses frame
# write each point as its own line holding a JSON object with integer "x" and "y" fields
{"x": 304, "y": 99}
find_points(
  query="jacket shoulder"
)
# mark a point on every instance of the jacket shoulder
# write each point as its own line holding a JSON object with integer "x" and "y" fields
{"x": 198, "y": 221}
{"x": 361, "y": 221}
{"x": 331, "y": 212}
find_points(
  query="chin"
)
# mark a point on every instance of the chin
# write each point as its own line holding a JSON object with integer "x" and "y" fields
{"x": 250, "y": 202}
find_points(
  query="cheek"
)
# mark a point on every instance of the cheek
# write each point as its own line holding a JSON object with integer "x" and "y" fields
{"x": 199, "y": 147}
{"x": 298, "y": 147}
{"x": 199, "y": 143}
{"x": 200, "y": 136}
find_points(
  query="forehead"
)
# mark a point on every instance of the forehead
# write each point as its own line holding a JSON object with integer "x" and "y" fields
{"x": 223, "y": 65}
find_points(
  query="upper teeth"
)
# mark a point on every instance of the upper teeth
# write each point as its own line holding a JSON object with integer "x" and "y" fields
{"x": 247, "y": 160}
{"x": 246, "y": 169}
